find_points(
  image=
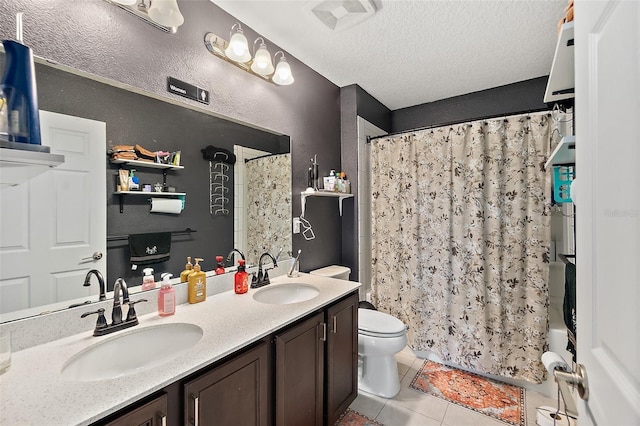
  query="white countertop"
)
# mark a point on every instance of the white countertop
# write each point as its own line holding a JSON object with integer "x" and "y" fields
{"x": 33, "y": 392}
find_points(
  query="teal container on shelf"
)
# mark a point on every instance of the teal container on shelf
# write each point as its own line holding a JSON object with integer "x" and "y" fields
{"x": 562, "y": 178}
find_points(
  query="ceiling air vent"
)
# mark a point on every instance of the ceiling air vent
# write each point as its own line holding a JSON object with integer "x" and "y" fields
{"x": 340, "y": 14}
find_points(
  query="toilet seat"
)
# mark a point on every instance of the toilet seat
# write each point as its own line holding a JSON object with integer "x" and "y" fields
{"x": 378, "y": 324}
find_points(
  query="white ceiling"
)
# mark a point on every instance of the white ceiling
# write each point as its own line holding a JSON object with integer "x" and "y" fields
{"x": 415, "y": 51}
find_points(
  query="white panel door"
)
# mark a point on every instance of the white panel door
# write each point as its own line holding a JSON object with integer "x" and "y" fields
{"x": 607, "y": 49}
{"x": 51, "y": 225}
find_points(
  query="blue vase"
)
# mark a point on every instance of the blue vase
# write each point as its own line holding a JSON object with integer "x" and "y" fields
{"x": 19, "y": 88}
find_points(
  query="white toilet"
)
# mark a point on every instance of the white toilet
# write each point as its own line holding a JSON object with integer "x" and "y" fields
{"x": 380, "y": 337}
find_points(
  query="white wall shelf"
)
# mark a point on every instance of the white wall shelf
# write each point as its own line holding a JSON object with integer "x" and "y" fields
{"x": 561, "y": 84}
{"x": 151, "y": 194}
{"x": 339, "y": 195}
{"x": 164, "y": 167}
{"x": 18, "y": 166}
{"x": 148, "y": 164}
{"x": 564, "y": 153}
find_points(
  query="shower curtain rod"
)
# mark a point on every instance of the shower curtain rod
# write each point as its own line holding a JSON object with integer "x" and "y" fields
{"x": 246, "y": 160}
{"x": 453, "y": 123}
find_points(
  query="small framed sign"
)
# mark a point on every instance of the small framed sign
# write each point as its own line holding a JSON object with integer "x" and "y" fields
{"x": 187, "y": 90}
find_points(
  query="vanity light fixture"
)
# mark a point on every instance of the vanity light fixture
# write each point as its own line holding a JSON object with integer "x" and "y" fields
{"x": 161, "y": 14}
{"x": 236, "y": 51}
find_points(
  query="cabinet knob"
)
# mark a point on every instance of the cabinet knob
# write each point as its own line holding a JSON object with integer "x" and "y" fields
{"x": 324, "y": 332}
{"x": 335, "y": 324}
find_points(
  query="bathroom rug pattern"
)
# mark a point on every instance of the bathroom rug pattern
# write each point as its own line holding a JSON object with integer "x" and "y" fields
{"x": 353, "y": 418}
{"x": 486, "y": 396}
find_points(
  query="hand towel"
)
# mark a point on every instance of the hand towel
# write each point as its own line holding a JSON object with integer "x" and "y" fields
{"x": 150, "y": 248}
{"x": 569, "y": 306}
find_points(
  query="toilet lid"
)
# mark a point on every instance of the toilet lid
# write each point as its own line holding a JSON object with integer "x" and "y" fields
{"x": 376, "y": 322}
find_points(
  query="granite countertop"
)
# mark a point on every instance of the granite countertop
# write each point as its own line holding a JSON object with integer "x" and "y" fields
{"x": 33, "y": 391}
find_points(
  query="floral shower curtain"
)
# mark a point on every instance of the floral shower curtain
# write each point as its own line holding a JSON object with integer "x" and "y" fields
{"x": 268, "y": 205}
{"x": 460, "y": 241}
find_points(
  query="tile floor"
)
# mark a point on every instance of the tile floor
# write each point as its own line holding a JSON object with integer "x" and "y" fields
{"x": 413, "y": 408}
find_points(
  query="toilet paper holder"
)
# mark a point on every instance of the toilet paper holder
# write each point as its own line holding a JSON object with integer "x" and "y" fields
{"x": 578, "y": 378}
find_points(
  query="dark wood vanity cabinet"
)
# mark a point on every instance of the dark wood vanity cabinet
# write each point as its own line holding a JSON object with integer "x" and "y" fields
{"x": 304, "y": 374}
{"x": 317, "y": 366}
{"x": 234, "y": 393}
{"x": 341, "y": 357}
{"x": 151, "y": 413}
{"x": 300, "y": 373}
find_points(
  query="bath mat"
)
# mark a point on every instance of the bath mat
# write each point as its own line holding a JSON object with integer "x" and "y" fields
{"x": 486, "y": 396}
{"x": 353, "y": 418}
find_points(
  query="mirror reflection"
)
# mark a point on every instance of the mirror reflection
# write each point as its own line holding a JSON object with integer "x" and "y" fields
{"x": 258, "y": 207}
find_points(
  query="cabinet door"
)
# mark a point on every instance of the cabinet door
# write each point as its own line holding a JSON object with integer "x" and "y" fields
{"x": 153, "y": 413}
{"x": 299, "y": 373}
{"x": 342, "y": 357}
{"x": 235, "y": 393}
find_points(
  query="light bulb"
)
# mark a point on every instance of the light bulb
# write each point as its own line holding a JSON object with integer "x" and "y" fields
{"x": 238, "y": 49}
{"x": 166, "y": 12}
{"x": 283, "y": 76}
{"x": 262, "y": 61}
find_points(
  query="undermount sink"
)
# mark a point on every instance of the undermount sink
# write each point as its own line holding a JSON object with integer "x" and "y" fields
{"x": 283, "y": 294}
{"x": 132, "y": 352}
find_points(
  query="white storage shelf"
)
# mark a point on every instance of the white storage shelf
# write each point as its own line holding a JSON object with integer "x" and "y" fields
{"x": 339, "y": 195}
{"x": 147, "y": 164}
{"x": 561, "y": 84}
{"x": 151, "y": 194}
{"x": 18, "y": 166}
{"x": 563, "y": 154}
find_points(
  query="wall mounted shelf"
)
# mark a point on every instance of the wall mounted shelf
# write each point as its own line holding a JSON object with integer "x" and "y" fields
{"x": 147, "y": 164}
{"x": 339, "y": 195}
{"x": 561, "y": 83}
{"x": 151, "y": 194}
{"x": 20, "y": 165}
{"x": 564, "y": 154}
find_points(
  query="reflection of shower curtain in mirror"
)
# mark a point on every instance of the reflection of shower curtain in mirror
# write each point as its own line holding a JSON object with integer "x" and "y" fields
{"x": 268, "y": 206}
{"x": 460, "y": 241}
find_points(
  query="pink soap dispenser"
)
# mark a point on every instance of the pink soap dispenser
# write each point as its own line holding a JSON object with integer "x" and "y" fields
{"x": 166, "y": 297}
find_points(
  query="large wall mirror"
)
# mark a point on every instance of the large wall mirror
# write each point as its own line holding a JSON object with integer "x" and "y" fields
{"x": 167, "y": 124}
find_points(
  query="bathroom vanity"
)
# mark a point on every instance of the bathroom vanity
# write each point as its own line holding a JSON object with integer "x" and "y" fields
{"x": 256, "y": 363}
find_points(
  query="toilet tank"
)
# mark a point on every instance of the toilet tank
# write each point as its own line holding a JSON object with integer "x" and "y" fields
{"x": 333, "y": 271}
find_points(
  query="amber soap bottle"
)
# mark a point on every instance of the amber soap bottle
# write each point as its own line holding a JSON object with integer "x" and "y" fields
{"x": 197, "y": 284}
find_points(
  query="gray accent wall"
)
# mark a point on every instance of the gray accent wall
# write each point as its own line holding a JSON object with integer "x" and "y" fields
{"x": 510, "y": 99}
{"x": 99, "y": 38}
{"x": 354, "y": 102}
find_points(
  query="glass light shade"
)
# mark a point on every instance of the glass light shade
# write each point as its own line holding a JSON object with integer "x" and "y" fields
{"x": 166, "y": 12}
{"x": 282, "y": 76}
{"x": 238, "y": 49}
{"x": 262, "y": 61}
{"x": 126, "y": 2}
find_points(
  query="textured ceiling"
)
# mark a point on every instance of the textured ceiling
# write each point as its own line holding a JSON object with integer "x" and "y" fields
{"x": 415, "y": 51}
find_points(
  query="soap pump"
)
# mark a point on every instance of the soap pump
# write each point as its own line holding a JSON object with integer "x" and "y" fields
{"x": 148, "y": 282}
{"x": 188, "y": 269}
{"x": 19, "y": 88}
{"x": 220, "y": 265}
{"x": 166, "y": 296}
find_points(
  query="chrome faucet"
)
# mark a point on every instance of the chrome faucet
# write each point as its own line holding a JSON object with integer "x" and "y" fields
{"x": 116, "y": 313}
{"x": 230, "y": 255}
{"x": 263, "y": 278}
{"x": 102, "y": 327}
{"x": 87, "y": 282}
